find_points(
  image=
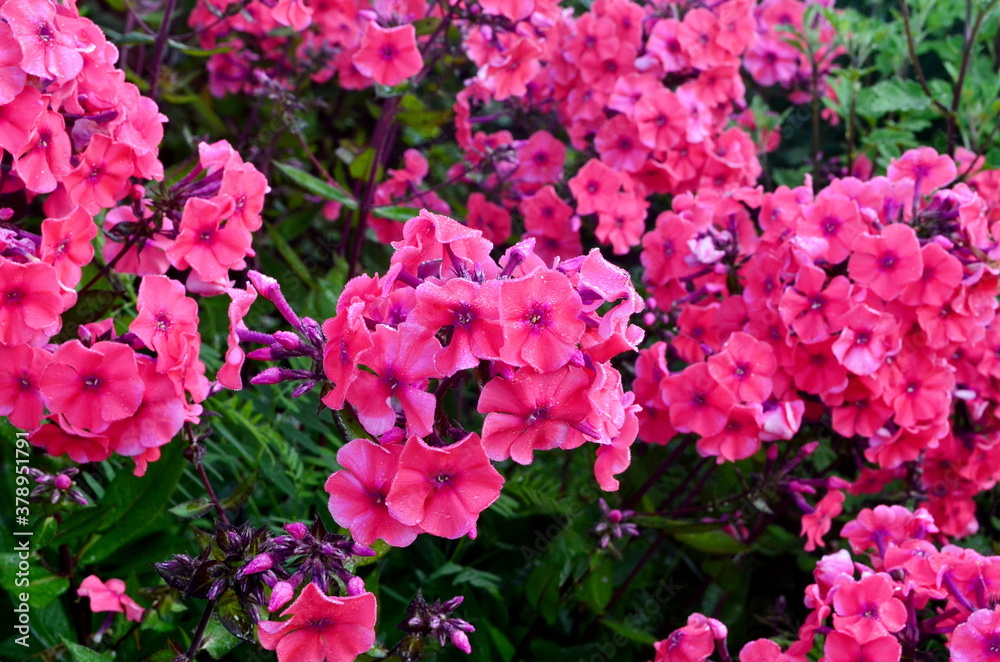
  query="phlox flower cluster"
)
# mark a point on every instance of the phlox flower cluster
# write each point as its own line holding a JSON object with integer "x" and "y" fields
{"x": 76, "y": 133}
{"x": 72, "y": 125}
{"x": 867, "y": 308}
{"x": 537, "y": 339}
{"x": 779, "y": 56}
{"x": 900, "y": 588}
{"x": 331, "y": 618}
{"x": 203, "y": 224}
{"x": 648, "y": 91}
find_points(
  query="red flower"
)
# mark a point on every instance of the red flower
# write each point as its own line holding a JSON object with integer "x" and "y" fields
{"x": 321, "y": 628}
{"x": 443, "y": 489}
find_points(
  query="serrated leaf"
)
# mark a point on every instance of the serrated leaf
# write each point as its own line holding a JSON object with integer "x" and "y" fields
{"x": 317, "y": 186}
{"x": 891, "y": 96}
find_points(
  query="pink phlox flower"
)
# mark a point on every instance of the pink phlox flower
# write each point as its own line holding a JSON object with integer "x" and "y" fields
{"x": 92, "y": 387}
{"x": 109, "y": 596}
{"x": 358, "y": 493}
{"x": 867, "y": 610}
{"x": 443, "y": 489}
{"x": 388, "y": 55}
{"x": 321, "y": 628}
{"x": 540, "y": 316}
{"x": 402, "y": 360}
{"x": 534, "y": 411}
{"x": 887, "y": 263}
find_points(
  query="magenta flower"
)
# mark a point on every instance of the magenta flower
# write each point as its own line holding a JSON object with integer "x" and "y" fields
{"x": 388, "y": 55}
{"x": 403, "y": 360}
{"x": 887, "y": 263}
{"x": 358, "y": 493}
{"x": 29, "y": 301}
{"x": 321, "y": 628}
{"x": 534, "y": 411}
{"x": 978, "y": 638}
{"x": 443, "y": 489}
{"x": 472, "y": 312}
{"x": 841, "y": 647}
{"x": 698, "y": 403}
{"x": 92, "y": 387}
{"x": 541, "y": 321}
{"x": 109, "y": 596}
{"x": 867, "y": 609}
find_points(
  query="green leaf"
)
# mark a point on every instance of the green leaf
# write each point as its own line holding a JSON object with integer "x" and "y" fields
{"x": 713, "y": 542}
{"x": 395, "y": 213}
{"x": 631, "y": 633}
{"x": 891, "y": 96}
{"x": 84, "y": 654}
{"x": 218, "y": 641}
{"x": 291, "y": 258}
{"x": 317, "y": 186}
{"x": 234, "y": 618}
{"x": 197, "y": 52}
{"x": 241, "y": 493}
{"x": 41, "y": 585}
{"x": 597, "y": 589}
{"x": 129, "y": 508}
{"x": 193, "y": 508}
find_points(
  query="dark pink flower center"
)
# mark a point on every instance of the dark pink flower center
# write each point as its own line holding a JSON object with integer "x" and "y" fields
{"x": 388, "y": 51}
{"x": 887, "y": 261}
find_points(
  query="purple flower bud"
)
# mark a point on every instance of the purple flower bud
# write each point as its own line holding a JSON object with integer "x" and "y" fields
{"x": 288, "y": 340}
{"x": 62, "y": 482}
{"x": 362, "y": 550}
{"x": 461, "y": 641}
{"x": 271, "y": 290}
{"x": 260, "y": 563}
{"x": 298, "y": 530}
{"x": 355, "y": 586}
{"x": 278, "y": 375}
{"x": 280, "y": 595}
